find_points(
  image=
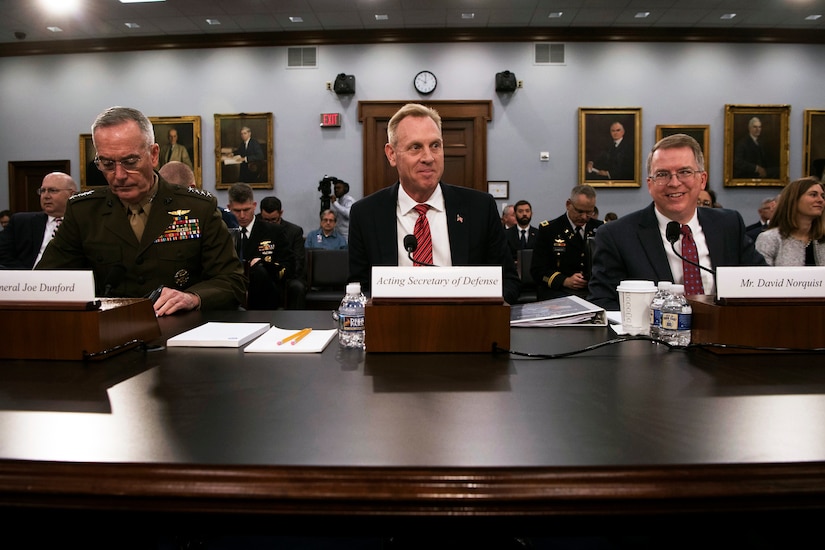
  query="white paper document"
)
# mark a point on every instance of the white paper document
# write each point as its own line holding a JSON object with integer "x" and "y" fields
{"x": 314, "y": 342}
{"x": 218, "y": 335}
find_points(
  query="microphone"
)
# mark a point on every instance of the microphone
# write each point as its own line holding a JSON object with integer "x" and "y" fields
{"x": 116, "y": 275}
{"x": 410, "y": 245}
{"x": 673, "y": 232}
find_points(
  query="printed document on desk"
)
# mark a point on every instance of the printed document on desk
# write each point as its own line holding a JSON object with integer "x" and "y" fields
{"x": 218, "y": 335}
{"x": 558, "y": 312}
{"x": 314, "y": 342}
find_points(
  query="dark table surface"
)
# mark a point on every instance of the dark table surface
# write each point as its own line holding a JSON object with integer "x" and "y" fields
{"x": 631, "y": 422}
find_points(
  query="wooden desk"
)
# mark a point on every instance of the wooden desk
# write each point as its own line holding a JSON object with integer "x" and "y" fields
{"x": 344, "y": 439}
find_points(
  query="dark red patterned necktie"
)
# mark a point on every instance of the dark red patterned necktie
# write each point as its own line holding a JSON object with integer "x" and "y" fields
{"x": 57, "y": 222}
{"x": 424, "y": 252}
{"x": 692, "y": 275}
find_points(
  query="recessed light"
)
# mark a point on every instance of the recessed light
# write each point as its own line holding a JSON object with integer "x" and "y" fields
{"x": 555, "y": 14}
{"x": 642, "y": 14}
{"x": 54, "y": 29}
{"x": 296, "y": 19}
{"x": 468, "y": 16}
{"x": 213, "y": 22}
{"x": 382, "y": 17}
{"x": 132, "y": 25}
{"x": 813, "y": 17}
{"x": 728, "y": 16}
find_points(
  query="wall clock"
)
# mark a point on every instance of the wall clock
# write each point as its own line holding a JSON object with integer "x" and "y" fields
{"x": 425, "y": 82}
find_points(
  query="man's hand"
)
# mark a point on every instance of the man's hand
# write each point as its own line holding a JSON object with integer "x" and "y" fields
{"x": 171, "y": 301}
{"x": 576, "y": 281}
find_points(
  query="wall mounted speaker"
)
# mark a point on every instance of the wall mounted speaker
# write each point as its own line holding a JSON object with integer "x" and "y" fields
{"x": 506, "y": 82}
{"x": 344, "y": 84}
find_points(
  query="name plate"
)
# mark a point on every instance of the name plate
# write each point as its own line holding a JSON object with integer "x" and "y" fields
{"x": 437, "y": 282}
{"x": 47, "y": 286}
{"x": 770, "y": 282}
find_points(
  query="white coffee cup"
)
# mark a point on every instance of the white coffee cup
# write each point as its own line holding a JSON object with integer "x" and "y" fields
{"x": 634, "y": 303}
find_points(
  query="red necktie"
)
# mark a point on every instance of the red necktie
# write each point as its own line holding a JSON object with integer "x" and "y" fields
{"x": 424, "y": 253}
{"x": 56, "y": 226}
{"x": 692, "y": 276}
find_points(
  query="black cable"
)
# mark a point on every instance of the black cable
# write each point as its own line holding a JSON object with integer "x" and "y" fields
{"x": 689, "y": 347}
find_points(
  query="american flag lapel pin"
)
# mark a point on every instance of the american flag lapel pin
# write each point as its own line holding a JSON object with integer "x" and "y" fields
{"x": 459, "y": 219}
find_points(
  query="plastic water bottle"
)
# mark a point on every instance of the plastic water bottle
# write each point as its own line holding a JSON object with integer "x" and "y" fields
{"x": 662, "y": 292}
{"x": 351, "y": 318}
{"x": 676, "y": 318}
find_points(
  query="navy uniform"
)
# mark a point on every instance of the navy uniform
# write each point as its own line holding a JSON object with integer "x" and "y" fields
{"x": 267, "y": 278}
{"x": 185, "y": 246}
{"x": 558, "y": 254}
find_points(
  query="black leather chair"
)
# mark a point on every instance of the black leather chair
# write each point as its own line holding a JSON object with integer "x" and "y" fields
{"x": 327, "y": 273}
{"x": 527, "y": 292}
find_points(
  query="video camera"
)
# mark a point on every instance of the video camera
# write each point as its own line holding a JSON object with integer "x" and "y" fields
{"x": 325, "y": 186}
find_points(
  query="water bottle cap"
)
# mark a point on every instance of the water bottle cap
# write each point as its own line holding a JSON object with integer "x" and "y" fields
{"x": 677, "y": 289}
{"x": 665, "y": 285}
{"x": 353, "y": 288}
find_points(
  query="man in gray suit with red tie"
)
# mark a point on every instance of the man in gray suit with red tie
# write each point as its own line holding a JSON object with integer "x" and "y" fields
{"x": 28, "y": 233}
{"x": 464, "y": 224}
{"x": 636, "y": 246}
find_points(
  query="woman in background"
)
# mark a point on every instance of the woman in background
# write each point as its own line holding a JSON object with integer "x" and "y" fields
{"x": 796, "y": 234}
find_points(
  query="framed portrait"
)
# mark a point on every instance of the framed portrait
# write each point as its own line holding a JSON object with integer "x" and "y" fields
{"x": 499, "y": 189}
{"x": 757, "y": 140}
{"x": 90, "y": 176}
{"x": 179, "y": 139}
{"x": 610, "y": 142}
{"x": 813, "y": 159}
{"x": 244, "y": 150}
{"x": 699, "y": 132}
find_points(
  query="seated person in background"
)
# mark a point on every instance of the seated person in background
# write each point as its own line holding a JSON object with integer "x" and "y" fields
{"x": 267, "y": 256}
{"x": 141, "y": 232}
{"x": 326, "y": 236}
{"x": 178, "y": 173}
{"x": 636, "y": 246}
{"x": 508, "y": 216}
{"x": 463, "y": 225}
{"x": 561, "y": 256}
{"x": 5, "y": 217}
{"x": 522, "y": 235}
{"x": 24, "y": 240}
{"x": 610, "y": 217}
{"x": 796, "y": 235}
{"x": 272, "y": 212}
{"x": 766, "y": 210}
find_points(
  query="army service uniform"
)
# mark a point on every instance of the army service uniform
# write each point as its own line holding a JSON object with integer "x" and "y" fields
{"x": 558, "y": 254}
{"x": 185, "y": 246}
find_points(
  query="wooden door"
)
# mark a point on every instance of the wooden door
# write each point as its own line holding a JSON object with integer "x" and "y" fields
{"x": 25, "y": 178}
{"x": 463, "y": 126}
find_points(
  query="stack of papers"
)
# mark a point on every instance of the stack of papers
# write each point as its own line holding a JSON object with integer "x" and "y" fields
{"x": 218, "y": 335}
{"x": 314, "y": 342}
{"x": 558, "y": 312}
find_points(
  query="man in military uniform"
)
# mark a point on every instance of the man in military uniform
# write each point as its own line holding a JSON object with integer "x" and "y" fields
{"x": 142, "y": 233}
{"x": 268, "y": 259}
{"x": 561, "y": 256}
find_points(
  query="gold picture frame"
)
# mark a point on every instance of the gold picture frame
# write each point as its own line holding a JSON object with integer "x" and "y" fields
{"x": 761, "y": 163}
{"x": 231, "y": 165}
{"x": 699, "y": 132}
{"x": 602, "y": 162}
{"x": 90, "y": 176}
{"x": 813, "y": 160}
{"x": 188, "y": 150}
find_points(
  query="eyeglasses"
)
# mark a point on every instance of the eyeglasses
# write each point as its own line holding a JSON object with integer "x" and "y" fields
{"x": 583, "y": 212}
{"x": 700, "y": 202}
{"x": 130, "y": 164}
{"x": 50, "y": 190}
{"x": 663, "y": 178}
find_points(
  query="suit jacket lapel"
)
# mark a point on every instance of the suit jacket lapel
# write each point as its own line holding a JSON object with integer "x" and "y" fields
{"x": 458, "y": 227}
{"x": 651, "y": 241}
{"x": 713, "y": 239}
{"x": 386, "y": 222}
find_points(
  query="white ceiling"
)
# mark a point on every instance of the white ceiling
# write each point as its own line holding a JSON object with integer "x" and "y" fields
{"x": 107, "y": 19}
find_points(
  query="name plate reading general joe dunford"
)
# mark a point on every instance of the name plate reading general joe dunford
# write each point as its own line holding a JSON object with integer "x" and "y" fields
{"x": 437, "y": 282}
{"x": 47, "y": 286}
{"x": 770, "y": 282}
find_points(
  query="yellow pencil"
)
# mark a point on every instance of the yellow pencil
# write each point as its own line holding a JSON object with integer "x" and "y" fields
{"x": 300, "y": 337}
{"x": 300, "y": 333}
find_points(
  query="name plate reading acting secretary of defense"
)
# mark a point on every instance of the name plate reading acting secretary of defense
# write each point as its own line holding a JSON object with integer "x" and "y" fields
{"x": 437, "y": 282}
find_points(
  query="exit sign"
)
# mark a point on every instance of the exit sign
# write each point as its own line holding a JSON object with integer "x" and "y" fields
{"x": 330, "y": 120}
